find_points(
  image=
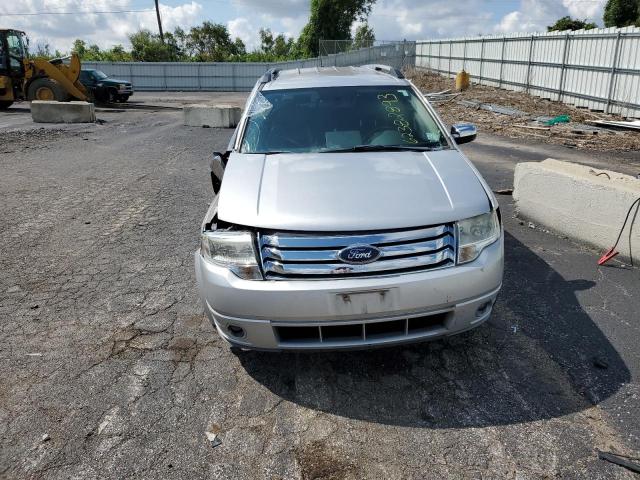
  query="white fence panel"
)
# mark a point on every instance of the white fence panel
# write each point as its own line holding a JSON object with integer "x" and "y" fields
{"x": 598, "y": 69}
{"x": 241, "y": 76}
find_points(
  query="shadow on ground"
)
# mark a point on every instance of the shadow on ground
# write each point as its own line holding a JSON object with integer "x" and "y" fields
{"x": 533, "y": 360}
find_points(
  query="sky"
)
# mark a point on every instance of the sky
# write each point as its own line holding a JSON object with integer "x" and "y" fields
{"x": 390, "y": 19}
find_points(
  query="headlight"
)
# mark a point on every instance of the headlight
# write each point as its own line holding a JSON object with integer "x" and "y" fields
{"x": 476, "y": 233}
{"x": 122, "y": 86}
{"x": 232, "y": 250}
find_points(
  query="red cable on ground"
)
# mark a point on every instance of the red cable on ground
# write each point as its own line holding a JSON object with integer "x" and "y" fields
{"x": 609, "y": 254}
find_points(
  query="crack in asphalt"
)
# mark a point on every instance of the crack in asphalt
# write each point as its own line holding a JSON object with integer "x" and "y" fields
{"x": 131, "y": 374}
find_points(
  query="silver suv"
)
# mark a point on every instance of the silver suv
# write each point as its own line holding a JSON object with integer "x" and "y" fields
{"x": 347, "y": 218}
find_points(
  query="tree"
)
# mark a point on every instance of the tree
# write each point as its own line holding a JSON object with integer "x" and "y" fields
{"x": 568, "y": 23}
{"x": 239, "y": 47}
{"x": 147, "y": 47}
{"x": 117, "y": 53}
{"x": 364, "y": 37}
{"x": 91, "y": 52}
{"x": 274, "y": 48}
{"x": 79, "y": 47}
{"x": 205, "y": 43}
{"x": 331, "y": 20}
{"x": 43, "y": 50}
{"x": 211, "y": 42}
{"x": 176, "y": 45}
{"x": 622, "y": 13}
{"x": 266, "y": 40}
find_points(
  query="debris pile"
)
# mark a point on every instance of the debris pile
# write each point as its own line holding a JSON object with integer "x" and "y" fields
{"x": 519, "y": 115}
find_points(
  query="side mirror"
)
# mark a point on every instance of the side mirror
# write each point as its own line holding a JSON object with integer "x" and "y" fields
{"x": 464, "y": 132}
{"x": 216, "y": 165}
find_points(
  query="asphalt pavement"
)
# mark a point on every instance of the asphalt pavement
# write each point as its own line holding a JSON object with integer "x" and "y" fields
{"x": 111, "y": 370}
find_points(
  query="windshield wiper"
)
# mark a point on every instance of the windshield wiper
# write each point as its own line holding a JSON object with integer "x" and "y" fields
{"x": 270, "y": 152}
{"x": 379, "y": 148}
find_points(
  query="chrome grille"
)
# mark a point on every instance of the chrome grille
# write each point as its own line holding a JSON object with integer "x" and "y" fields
{"x": 304, "y": 256}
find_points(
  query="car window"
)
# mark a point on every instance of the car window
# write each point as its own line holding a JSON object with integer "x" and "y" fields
{"x": 16, "y": 51}
{"x": 98, "y": 75}
{"x": 322, "y": 119}
{"x": 3, "y": 57}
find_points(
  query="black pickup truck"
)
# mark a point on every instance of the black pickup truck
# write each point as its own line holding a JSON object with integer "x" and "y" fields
{"x": 104, "y": 88}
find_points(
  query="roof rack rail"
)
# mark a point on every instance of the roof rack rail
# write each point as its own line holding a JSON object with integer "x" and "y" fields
{"x": 386, "y": 69}
{"x": 269, "y": 75}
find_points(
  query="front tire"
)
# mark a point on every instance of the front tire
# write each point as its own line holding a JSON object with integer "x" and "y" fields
{"x": 4, "y": 104}
{"x": 47, "y": 89}
{"x": 122, "y": 98}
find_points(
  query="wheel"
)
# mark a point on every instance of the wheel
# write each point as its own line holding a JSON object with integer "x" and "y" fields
{"x": 122, "y": 98}
{"x": 47, "y": 89}
{"x": 4, "y": 104}
{"x": 101, "y": 96}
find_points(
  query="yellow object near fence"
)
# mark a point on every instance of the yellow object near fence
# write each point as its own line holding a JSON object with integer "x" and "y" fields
{"x": 463, "y": 81}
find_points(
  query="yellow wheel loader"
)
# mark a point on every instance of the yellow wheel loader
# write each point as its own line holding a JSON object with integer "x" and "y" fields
{"x": 24, "y": 78}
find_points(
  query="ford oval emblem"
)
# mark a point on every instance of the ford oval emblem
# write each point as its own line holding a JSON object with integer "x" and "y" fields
{"x": 359, "y": 254}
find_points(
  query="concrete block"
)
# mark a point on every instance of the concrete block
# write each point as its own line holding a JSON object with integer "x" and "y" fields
{"x": 214, "y": 116}
{"x": 49, "y": 111}
{"x": 573, "y": 200}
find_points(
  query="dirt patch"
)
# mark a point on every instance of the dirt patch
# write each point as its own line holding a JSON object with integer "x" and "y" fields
{"x": 574, "y": 134}
{"x": 35, "y": 138}
{"x": 318, "y": 462}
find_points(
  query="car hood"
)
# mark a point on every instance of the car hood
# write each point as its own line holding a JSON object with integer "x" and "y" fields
{"x": 350, "y": 191}
{"x": 116, "y": 80}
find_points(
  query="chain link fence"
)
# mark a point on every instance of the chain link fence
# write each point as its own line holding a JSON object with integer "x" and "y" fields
{"x": 340, "y": 53}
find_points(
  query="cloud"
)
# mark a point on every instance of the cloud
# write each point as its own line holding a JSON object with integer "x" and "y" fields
{"x": 536, "y": 15}
{"x": 105, "y": 30}
{"x": 420, "y": 19}
{"x": 390, "y": 19}
{"x": 242, "y": 28}
{"x": 292, "y": 26}
{"x": 280, "y": 16}
{"x": 274, "y": 8}
{"x": 590, "y": 10}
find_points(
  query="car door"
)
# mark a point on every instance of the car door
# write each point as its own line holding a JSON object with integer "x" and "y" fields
{"x": 87, "y": 79}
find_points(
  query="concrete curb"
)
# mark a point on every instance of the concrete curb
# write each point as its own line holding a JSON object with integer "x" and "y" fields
{"x": 214, "y": 116}
{"x": 575, "y": 200}
{"x": 49, "y": 111}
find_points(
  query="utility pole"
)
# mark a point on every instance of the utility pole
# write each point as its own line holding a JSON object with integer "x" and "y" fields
{"x": 159, "y": 22}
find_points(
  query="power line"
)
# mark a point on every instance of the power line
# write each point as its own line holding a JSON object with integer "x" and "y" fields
{"x": 79, "y": 12}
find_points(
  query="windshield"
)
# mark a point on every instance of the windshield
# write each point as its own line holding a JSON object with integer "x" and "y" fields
{"x": 339, "y": 119}
{"x": 99, "y": 75}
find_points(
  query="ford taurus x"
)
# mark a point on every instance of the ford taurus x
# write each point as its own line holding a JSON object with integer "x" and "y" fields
{"x": 345, "y": 216}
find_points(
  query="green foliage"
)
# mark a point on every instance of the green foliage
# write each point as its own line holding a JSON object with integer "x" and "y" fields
{"x": 94, "y": 54}
{"x": 568, "y": 23}
{"x": 331, "y": 20}
{"x": 44, "y": 50}
{"x": 364, "y": 37}
{"x": 211, "y": 42}
{"x": 147, "y": 47}
{"x": 272, "y": 48}
{"x": 622, "y": 13}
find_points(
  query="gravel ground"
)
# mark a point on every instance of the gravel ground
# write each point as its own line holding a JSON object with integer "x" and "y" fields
{"x": 110, "y": 369}
{"x": 505, "y": 125}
